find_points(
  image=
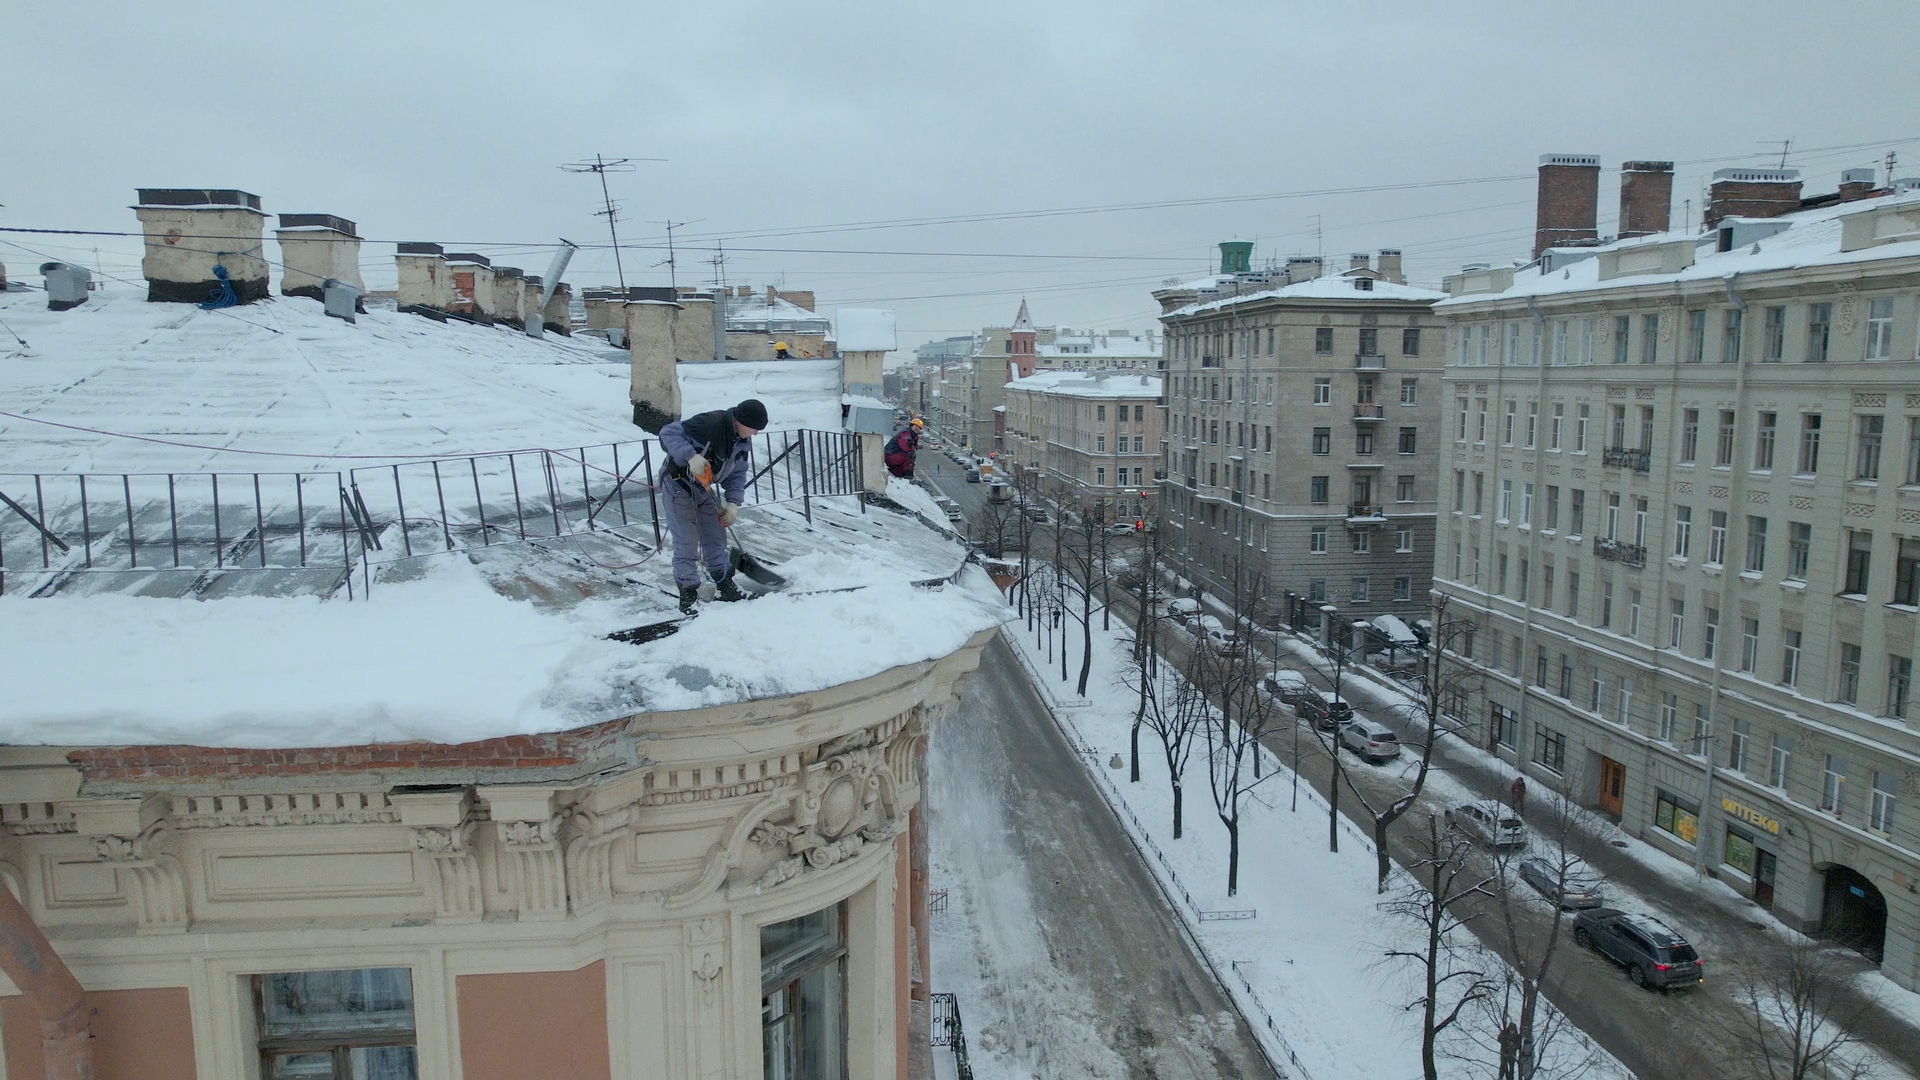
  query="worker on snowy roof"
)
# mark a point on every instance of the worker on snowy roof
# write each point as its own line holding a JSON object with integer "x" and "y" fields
{"x": 704, "y": 451}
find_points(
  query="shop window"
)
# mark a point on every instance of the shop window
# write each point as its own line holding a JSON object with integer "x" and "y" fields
{"x": 1674, "y": 815}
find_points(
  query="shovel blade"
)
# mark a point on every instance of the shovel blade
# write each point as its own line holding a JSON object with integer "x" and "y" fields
{"x": 755, "y": 570}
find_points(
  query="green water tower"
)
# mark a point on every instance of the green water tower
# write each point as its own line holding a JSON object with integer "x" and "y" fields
{"x": 1236, "y": 256}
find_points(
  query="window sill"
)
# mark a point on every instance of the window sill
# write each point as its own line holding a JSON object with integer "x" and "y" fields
{"x": 1858, "y": 598}
{"x": 1677, "y": 561}
{"x": 1751, "y": 575}
{"x": 1795, "y": 585}
{"x": 1908, "y": 608}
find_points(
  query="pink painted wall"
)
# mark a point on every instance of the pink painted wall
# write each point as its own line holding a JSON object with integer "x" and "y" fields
{"x": 535, "y": 1023}
{"x": 902, "y": 949}
{"x": 137, "y": 1035}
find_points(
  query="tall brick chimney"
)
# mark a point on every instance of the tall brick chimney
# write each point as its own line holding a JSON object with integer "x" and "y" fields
{"x": 1760, "y": 193}
{"x": 1390, "y": 266}
{"x": 1646, "y": 197}
{"x": 189, "y": 232}
{"x": 315, "y": 247}
{"x": 1568, "y": 207}
{"x": 425, "y": 285}
{"x": 1856, "y": 184}
{"x": 1359, "y": 260}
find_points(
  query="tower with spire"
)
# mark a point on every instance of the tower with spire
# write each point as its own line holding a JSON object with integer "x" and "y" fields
{"x": 1021, "y": 347}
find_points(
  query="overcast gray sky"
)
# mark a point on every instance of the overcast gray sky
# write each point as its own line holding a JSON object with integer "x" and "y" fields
{"x": 793, "y": 126}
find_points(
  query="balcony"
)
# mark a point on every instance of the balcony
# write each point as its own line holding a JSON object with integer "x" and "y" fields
{"x": 1620, "y": 551}
{"x": 1626, "y": 457}
{"x": 1369, "y": 361}
{"x": 1367, "y": 411}
{"x": 1366, "y": 514}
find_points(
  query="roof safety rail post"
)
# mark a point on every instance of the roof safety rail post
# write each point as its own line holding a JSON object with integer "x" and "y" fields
{"x": 653, "y": 496}
{"x": 806, "y": 486}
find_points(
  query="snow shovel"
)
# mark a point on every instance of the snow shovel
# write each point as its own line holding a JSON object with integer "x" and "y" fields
{"x": 744, "y": 563}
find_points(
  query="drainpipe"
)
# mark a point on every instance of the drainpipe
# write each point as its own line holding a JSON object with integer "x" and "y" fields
{"x": 66, "y": 1039}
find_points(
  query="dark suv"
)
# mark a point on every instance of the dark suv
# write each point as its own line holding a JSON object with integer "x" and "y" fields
{"x": 1653, "y": 954}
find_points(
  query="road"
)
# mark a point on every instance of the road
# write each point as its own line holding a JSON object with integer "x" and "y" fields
{"x": 1067, "y": 959}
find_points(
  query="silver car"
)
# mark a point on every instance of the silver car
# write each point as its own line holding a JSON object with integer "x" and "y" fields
{"x": 1489, "y": 822}
{"x": 1370, "y": 741}
{"x": 1574, "y": 890}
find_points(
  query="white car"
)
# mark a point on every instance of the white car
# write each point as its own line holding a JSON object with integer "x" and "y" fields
{"x": 1370, "y": 741}
{"x": 1285, "y": 686}
{"x": 1183, "y": 609}
{"x": 1215, "y": 634}
{"x": 1488, "y": 822}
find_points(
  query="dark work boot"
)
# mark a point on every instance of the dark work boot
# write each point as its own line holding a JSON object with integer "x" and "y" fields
{"x": 689, "y": 596}
{"x": 725, "y": 589}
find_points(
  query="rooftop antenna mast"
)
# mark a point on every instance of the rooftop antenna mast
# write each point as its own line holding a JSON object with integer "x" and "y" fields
{"x": 1785, "y": 145}
{"x": 601, "y": 165}
{"x": 670, "y": 262}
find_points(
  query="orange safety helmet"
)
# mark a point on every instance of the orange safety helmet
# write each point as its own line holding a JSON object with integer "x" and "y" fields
{"x": 919, "y": 423}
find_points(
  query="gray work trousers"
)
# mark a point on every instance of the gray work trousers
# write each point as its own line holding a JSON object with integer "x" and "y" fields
{"x": 693, "y": 520}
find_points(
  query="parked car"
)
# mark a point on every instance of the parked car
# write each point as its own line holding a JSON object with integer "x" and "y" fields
{"x": 1214, "y": 634}
{"x": 1651, "y": 951}
{"x": 1574, "y": 889}
{"x": 1285, "y": 686}
{"x": 1119, "y": 528}
{"x": 973, "y": 476}
{"x": 1489, "y": 822}
{"x": 1324, "y": 709}
{"x": 1183, "y": 609}
{"x": 1037, "y": 514}
{"x": 1370, "y": 740}
{"x": 953, "y": 513}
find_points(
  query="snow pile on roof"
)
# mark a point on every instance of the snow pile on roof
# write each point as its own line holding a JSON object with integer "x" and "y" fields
{"x": 1337, "y": 287}
{"x": 797, "y": 393}
{"x": 1808, "y": 238}
{"x": 1089, "y": 384}
{"x": 750, "y": 314}
{"x": 864, "y": 330}
{"x": 1100, "y": 345}
{"x": 1396, "y": 629}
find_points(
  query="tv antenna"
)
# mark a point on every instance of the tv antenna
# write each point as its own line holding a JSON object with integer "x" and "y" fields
{"x": 1784, "y": 144}
{"x": 601, "y": 165}
{"x": 670, "y": 262}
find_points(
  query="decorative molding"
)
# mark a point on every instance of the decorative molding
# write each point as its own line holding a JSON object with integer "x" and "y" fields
{"x": 1869, "y": 401}
{"x": 1757, "y": 496}
{"x": 1849, "y": 307}
{"x": 1907, "y": 516}
{"x": 1580, "y": 474}
{"x": 534, "y": 867}
{"x": 1553, "y": 470}
{"x": 35, "y": 819}
{"x": 1913, "y": 401}
{"x": 1526, "y": 466}
{"x": 456, "y": 870}
{"x": 1800, "y": 502}
{"x": 1716, "y": 491}
{"x": 298, "y": 808}
{"x": 1683, "y": 487}
{"x": 1643, "y": 393}
{"x": 1616, "y": 393}
{"x": 1857, "y": 510}
{"x": 159, "y": 893}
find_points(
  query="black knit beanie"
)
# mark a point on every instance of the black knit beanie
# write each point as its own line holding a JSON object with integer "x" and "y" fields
{"x": 751, "y": 413}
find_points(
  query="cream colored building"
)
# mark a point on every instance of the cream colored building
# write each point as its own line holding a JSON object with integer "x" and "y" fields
{"x": 1681, "y": 500}
{"x": 1089, "y": 436}
{"x": 1301, "y": 430}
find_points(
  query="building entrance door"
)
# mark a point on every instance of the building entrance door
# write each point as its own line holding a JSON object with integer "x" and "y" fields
{"x": 1613, "y": 787}
{"x": 1765, "y": 866}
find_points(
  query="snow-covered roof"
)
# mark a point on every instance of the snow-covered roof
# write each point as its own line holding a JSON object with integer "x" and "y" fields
{"x": 1337, "y": 287}
{"x": 746, "y": 314}
{"x": 1089, "y": 384}
{"x": 487, "y": 628}
{"x": 1100, "y": 345}
{"x": 1806, "y": 238}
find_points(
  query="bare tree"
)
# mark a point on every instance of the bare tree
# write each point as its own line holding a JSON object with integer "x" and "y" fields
{"x": 1436, "y": 892}
{"x": 1797, "y": 1018}
{"x": 1337, "y": 652}
{"x": 1177, "y": 712}
{"x": 1226, "y": 673}
{"x": 1145, "y": 655}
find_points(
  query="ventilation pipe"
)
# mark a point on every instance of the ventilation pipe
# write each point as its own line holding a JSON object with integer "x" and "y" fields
{"x": 66, "y": 1035}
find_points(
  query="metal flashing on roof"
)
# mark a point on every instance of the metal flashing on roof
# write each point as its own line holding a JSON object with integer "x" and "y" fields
{"x": 324, "y": 221}
{"x": 198, "y": 197}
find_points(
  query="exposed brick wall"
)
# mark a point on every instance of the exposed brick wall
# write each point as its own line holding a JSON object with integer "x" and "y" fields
{"x": 1743, "y": 198}
{"x": 1646, "y": 197}
{"x": 553, "y": 750}
{"x": 1568, "y": 205}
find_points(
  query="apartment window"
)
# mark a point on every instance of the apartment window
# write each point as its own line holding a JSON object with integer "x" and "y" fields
{"x": 1899, "y": 684}
{"x": 1550, "y": 748}
{"x": 1526, "y": 579}
{"x": 1526, "y": 505}
{"x": 1323, "y": 440}
{"x": 1880, "y": 808}
{"x": 1506, "y": 725}
{"x": 1410, "y": 341}
{"x": 1480, "y": 420}
{"x": 1906, "y": 575}
{"x": 1554, "y": 422}
{"x": 1649, "y": 338}
{"x": 1613, "y": 515}
{"x": 1763, "y": 440}
{"x": 1500, "y": 573}
{"x": 1573, "y": 593}
{"x": 1640, "y": 520}
{"x": 1560, "y": 343}
{"x": 1749, "y": 644}
{"x": 1773, "y": 335}
{"x": 1848, "y": 689}
{"x": 1866, "y": 455}
{"x": 1317, "y": 590}
{"x": 1617, "y": 425}
{"x": 1403, "y": 488}
{"x": 1479, "y": 489}
{"x": 1100, "y": 444}
{"x": 1606, "y": 603}
{"x": 1737, "y": 738}
{"x": 1730, "y": 336}
{"x": 1317, "y": 540}
{"x": 1577, "y": 511}
{"x": 1459, "y": 491}
{"x": 1596, "y": 691}
{"x": 1723, "y": 445}
{"x": 1580, "y": 431}
{"x": 1633, "y": 613}
{"x": 1566, "y": 676}
{"x": 1669, "y": 716}
{"x": 1622, "y": 325}
{"x": 1779, "y": 759}
{"x": 1409, "y": 391}
{"x": 1689, "y": 436}
{"x": 1361, "y": 542}
{"x": 1672, "y": 814}
{"x": 1533, "y": 423}
{"x": 1756, "y": 544}
{"x": 1859, "y": 562}
{"x": 1403, "y": 587}
{"x": 1624, "y": 701}
{"x": 1553, "y": 507}
{"x": 1790, "y": 658}
{"x": 1809, "y": 444}
{"x": 1710, "y": 644}
{"x": 1716, "y": 537}
{"x": 1833, "y": 785}
{"x": 803, "y": 998}
{"x": 1408, "y": 436}
{"x": 1682, "y": 531}
{"x": 1819, "y": 332}
{"x": 1913, "y": 451}
{"x": 1363, "y": 442}
{"x": 1799, "y": 549}
{"x": 1880, "y": 328}
{"x": 1370, "y": 341}
{"x": 355, "y": 1024}
{"x": 1506, "y": 425}
{"x": 1403, "y": 539}
{"x": 1317, "y": 489}
{"x": 1457, "y": 568}
{"x": 1506, "y": 500}
{"x": 1460, "y": 425}
{"x": 1323, "y": 391}
{"x": 1696, "y": 337}
{"x": 1702, "y": 745}
{"x": 1676, "y": 623}
{"x": 1100, "y": 476}
{"x": 1323, "y": 341}
{"x": 1540, "y": 666}
{"x": 1358, "y": 593}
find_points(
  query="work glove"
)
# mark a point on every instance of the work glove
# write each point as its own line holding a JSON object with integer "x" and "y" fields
{"x": 700, "y": 469}
{"x": 729, "y": 513}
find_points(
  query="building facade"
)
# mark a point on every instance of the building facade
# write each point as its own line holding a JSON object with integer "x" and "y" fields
{"x": 1301, "y": 420}
{"x": 1088, "y": 436}
{"x": 1681, "y": 501}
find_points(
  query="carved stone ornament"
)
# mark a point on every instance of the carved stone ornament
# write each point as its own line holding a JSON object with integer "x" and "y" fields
{"x": 159, "y": 892}
{"x": 456, "y": 871}
{"x": 844, "y": 803}
{"x": 1849, "y": 307}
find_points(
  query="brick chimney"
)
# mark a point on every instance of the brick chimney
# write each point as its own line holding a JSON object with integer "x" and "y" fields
{"x": 315, "y": 247}
{"x": 189, "y": 231}
{"x": 509, "y": 282}
{"x": 1760, "y": 193}
{"x": 693, "y": 330}
{"x": 653, "y": 381}
{"x": 1646, "y": 197}
{"x": 1390, "y": 266}
{"x": 1856, "y": 184}
{"x": 472, "y": 285}
{"x": 425, "y": 284}
{"x": 1302, "y": 268}
{"x": 1359, "y": 260}
{"x": 558, "y": 314}
{"x": 1567, "y": 210}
